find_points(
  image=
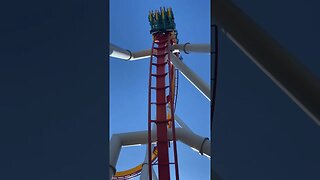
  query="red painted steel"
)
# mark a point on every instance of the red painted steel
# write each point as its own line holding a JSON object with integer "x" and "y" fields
{"x": 172, "y": 110}
{"x": 164, "y": 98}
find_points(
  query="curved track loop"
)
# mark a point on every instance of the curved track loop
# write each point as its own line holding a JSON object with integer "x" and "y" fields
{"x": 135, "y": 171}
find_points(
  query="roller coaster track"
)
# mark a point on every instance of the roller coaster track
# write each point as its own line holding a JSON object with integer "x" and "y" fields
{"x": 165, "y": 103}
{"x": 161, "y": 99}
{"x": 135, "y": 171}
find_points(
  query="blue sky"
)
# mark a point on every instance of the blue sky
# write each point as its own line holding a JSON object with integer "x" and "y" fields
{"x": 129, "y": 29}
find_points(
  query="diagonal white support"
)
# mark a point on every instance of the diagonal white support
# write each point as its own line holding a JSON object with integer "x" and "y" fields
{"x": 195, "y": 80}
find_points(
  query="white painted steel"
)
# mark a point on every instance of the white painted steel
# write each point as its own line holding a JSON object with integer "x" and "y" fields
{"x": 191, "y": 76}
{"x": 188, "y": 48}
{"x": 114, "y": 147}
{"x": 181, "y": 123}
{"x": 283, "y": 68}
{"x": 117, "y": 52}
{"x": 185, "y": 70}
{"x": 140, "y": 55}
{"x": 141, "y": 137}
{"x": 144, "y": 171}
{"x": 194, "y": 141}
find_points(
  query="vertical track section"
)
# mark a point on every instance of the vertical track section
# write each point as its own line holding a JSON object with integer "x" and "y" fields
{"x": 172, "y": 110}
{"x": 162, "y": 86}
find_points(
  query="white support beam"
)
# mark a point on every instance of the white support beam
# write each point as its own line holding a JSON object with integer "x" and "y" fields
{"x": 196, "y": 142}
{"x": 188, "y": 48}
{"x": 181, "y": 123}
{"x": 191, "y": 76}
{"x": 117, "y": 52}
{"x": 144, "y": 172}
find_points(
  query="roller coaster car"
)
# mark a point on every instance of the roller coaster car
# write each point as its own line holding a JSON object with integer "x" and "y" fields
{"x": 161, "y": 21}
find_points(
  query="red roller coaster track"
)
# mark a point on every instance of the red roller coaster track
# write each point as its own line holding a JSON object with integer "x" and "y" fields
{"x": 163, "y": 90}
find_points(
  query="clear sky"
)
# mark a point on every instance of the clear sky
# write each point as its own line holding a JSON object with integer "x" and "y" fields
{"x": 129, "y": 29}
